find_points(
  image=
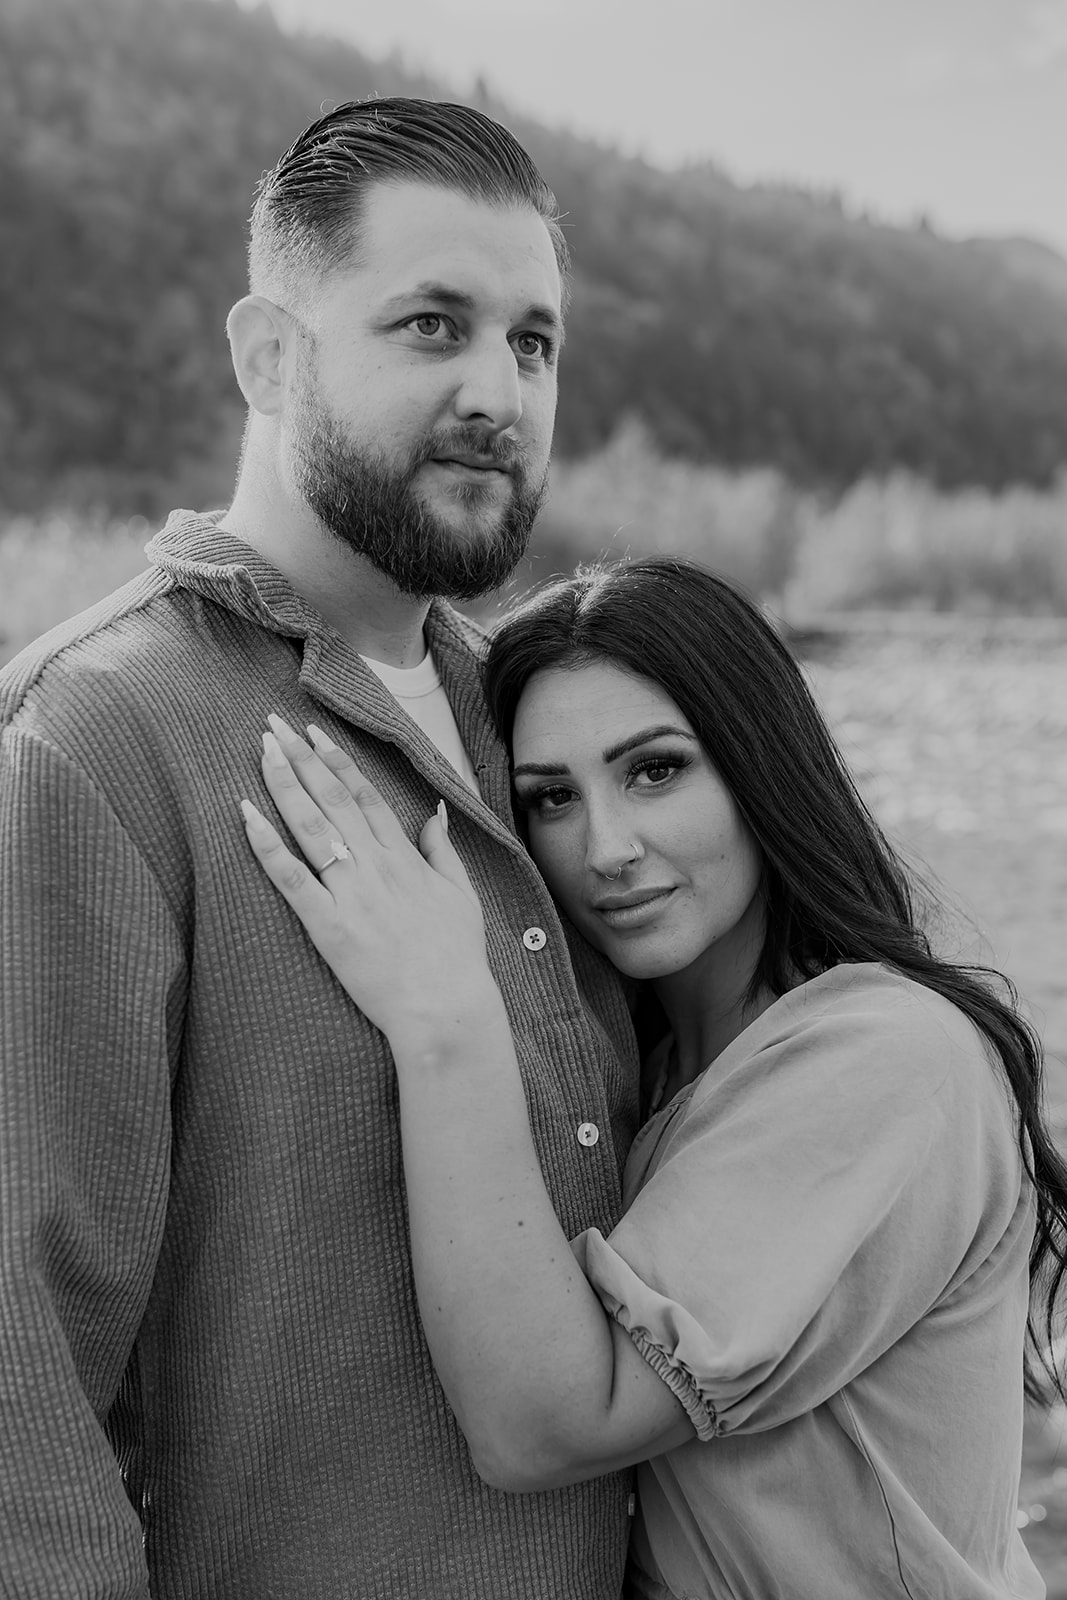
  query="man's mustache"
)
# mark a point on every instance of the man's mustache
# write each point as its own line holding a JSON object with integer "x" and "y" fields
{"x": 505, "y": 453}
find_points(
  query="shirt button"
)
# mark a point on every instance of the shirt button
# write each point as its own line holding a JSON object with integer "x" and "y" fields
{"x": 588, "y": 1133}
{"x": 535, "y": 938}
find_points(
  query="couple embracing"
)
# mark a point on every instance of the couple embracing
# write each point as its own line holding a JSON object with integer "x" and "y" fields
{"x": 536, "y": 1152}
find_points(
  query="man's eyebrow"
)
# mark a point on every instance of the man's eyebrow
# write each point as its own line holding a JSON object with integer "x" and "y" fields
{"x": 440, "y": 293}
{"x": 547, "y": 318}
{"x": 542, "y": 769}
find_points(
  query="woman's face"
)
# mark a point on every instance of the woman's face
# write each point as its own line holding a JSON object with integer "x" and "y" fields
{"x": 611, "y": 776}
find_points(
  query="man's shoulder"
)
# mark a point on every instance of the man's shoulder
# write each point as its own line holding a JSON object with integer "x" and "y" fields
{"x": 130, "y": 705}
{"x": 91, "y": 638}
{"x": 134, "y": 648}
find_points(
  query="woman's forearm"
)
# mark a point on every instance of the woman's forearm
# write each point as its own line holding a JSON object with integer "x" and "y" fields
{"x": 521, "y": 1343}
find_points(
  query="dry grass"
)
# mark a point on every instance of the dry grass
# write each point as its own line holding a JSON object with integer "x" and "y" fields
{"x": 893, "y": 543}
{"x": 899, "y": 543}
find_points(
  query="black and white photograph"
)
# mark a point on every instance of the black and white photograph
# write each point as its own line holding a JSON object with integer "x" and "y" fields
{"x": 533, "y": 800}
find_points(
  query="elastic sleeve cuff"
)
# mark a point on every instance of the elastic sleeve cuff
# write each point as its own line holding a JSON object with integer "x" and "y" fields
{"x": 679, "y": 1381}
{"x": 659, "y": 1328}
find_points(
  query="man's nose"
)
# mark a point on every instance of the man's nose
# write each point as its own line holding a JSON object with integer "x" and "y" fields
{"x": 489, "y": 391}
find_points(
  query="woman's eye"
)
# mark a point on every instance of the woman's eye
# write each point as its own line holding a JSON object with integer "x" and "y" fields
{"x": 543, "y": 801}
{"x": 654, "y": 771}
{"x": 553, "y": 799}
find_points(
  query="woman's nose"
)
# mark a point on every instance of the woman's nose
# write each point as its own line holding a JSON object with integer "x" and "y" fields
{"x": 611, "y": 847}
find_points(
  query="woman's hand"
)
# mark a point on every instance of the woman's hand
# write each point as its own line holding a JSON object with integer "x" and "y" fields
{"x": 400, "y": 927}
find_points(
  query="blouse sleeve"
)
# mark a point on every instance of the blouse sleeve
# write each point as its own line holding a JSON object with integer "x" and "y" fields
{"x": 847, "y": 1162}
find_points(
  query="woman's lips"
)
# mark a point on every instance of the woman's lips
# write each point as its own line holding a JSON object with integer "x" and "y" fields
{"x": 631, "y": 910}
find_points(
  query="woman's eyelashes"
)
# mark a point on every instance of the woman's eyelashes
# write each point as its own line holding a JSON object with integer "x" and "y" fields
{"x": 655, "y": 770}
{"x": 659, "y": 768}
{"x": 543, "y": 798}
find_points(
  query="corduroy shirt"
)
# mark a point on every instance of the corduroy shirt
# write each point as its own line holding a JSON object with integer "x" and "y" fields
{"x": 213, "y": 1381}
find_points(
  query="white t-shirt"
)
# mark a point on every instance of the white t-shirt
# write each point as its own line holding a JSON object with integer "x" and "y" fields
{"x": 421, "y": 694}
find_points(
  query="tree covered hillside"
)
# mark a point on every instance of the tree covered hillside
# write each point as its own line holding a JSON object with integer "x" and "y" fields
{"x": 742, "y": 325}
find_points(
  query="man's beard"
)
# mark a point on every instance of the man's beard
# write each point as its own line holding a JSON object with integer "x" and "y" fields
{"x": 371, "y": 506}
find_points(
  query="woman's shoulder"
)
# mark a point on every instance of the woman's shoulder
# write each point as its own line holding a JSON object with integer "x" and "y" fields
{"x": 866, "y": 1024}
{"x": 876, "y": 998}
{"x": 858, "y": 1072}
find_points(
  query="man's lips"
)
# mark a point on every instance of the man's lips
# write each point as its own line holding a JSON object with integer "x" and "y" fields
{"x": 473, "y": 463}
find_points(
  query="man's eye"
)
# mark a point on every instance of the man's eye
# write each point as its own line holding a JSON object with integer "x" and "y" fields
{"x": 430, "y": 325}
{"x": 533, "y": 345}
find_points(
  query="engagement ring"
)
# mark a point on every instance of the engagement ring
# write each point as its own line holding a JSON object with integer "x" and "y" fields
{"x": 341, "y": 852}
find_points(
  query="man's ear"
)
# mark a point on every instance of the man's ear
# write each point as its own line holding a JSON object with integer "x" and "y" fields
{"x": 262, "y": 347}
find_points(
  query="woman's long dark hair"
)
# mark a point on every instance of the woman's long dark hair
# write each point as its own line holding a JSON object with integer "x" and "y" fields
{"x": 834, "y": 889}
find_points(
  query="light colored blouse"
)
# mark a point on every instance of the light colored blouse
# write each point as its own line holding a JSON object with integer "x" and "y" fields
{"x": 825, "y": 1256}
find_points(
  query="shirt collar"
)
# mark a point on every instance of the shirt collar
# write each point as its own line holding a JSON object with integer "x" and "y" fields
{"x": 208, "y": 560}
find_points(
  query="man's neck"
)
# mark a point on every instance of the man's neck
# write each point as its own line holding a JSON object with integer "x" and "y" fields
{"x": 357, "y": 600}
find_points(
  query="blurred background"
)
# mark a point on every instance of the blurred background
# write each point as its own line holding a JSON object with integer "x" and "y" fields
{"x": 818, "y": 341}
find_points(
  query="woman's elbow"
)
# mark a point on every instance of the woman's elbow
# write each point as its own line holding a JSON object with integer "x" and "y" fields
{"x": 518, "y": 1465}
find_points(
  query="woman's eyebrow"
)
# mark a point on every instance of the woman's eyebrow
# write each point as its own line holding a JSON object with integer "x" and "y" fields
{"x": 539, "y": 769}
{"x": 624, "y": 746}
{"x": 545, "y": 769}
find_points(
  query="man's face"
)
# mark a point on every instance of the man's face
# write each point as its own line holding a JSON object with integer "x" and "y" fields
{"x": 421, "y": 417}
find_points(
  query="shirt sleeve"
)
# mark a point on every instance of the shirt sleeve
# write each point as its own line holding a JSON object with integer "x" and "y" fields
{"x": 825, "y": 1186}
{"x": 92, "y": 969}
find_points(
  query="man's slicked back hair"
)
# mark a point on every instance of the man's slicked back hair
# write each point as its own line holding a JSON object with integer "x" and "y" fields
{"x": 308, "y": 212}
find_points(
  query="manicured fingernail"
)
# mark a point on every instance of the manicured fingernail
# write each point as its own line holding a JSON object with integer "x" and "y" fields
{"x": 280, "y": 727}
{"x": 254, "y": 818}
{"x": 442, "y": 812}
{"x": 320, "y": 740}
{"x": 273, "y": 751}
